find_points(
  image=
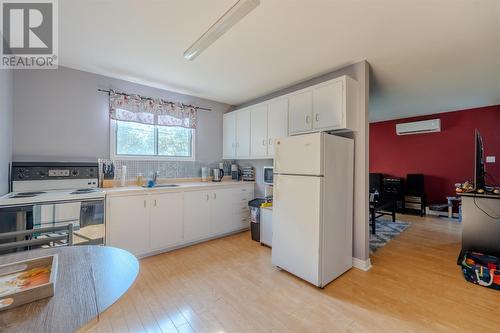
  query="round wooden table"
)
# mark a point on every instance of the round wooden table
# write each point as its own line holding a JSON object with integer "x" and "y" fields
{"x": 89, "y": 280}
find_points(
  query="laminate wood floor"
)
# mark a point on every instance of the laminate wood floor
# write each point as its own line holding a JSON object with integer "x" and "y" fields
{"x": 230, "y": 285}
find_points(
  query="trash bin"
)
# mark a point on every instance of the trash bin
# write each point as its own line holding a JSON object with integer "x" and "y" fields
{"x": 254, "y": 206}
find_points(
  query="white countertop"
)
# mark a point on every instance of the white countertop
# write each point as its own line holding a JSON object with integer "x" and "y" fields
{"x": 183, "y": 186}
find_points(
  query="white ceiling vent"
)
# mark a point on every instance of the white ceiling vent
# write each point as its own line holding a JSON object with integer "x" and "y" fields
{"x": 418, "y": 127}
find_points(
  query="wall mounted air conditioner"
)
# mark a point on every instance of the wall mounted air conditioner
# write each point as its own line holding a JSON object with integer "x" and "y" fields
{"x": 418, "y": 127}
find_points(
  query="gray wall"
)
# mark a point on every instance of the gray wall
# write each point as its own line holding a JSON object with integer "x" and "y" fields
{"x": 6, "y": 111}
{"x": 258, "y": 166}
{"x": 360, "y": 72}
{"x": 60, "y": 115}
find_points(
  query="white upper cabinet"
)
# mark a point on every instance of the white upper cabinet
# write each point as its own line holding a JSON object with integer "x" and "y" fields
{"x": 229, "y": 135}
{"x": 236, "y": 134}
{"x": 258, "y": 131}
{"x": 243, "y": 133}
{"x": 328, "y": 104}
{"x": 300, "y": 112}
{"x": 277, "y": 123}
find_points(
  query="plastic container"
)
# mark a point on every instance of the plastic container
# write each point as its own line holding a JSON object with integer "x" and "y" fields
{"x": 255, "y": 218}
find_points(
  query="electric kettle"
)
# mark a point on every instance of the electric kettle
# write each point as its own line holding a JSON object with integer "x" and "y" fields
{"x": 218, "y": 174}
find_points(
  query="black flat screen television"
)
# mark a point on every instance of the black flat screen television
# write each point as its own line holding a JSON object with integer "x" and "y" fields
{"x": 479, "y": 171}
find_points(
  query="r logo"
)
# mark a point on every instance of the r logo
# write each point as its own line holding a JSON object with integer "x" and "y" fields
{"x": 27, "y": 27}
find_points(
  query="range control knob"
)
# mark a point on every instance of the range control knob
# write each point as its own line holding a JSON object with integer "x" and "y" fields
{"x": 74, "y": 172}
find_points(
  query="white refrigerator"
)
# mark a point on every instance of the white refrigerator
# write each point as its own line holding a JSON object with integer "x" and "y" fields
{"x": 313, "y": 206}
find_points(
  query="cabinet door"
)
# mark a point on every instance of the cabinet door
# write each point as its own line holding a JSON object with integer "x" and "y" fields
{"x": 196, "y": 215}
{"x": 229, "y": 135}
{"x": 128, "y": 223}
{"x": 221, "y": 217}
{"x": 166, "y": 220}
{"x": 277, "y": 123}
{"x": 300, "y": 112}
{"x": 243, "y": 133}
{"x": 258, "y": 131}
{"x": 328, "y": 105}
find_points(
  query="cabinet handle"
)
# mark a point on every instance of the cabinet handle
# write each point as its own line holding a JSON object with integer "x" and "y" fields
{"x": 155, "y": 202}
{"x": 307, "y": 119}
{"x": 270, "y": 142}
{"x": 317, "y": 117}
{"x": 208, "y": 197}
{"x": 264, "y": 142}
{"x": 215, "y": 195}
{"x": 144, "y": 203}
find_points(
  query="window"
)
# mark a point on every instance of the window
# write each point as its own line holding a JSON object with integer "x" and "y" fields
{"x": 135, "y": 140}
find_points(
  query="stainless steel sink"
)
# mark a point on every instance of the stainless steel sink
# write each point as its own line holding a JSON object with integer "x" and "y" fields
{"x": 162, "y": 185}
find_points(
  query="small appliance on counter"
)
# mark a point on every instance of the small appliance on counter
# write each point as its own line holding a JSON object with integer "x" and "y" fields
{"x": 235, "y": 172}
{"x": 204, "y": 174}
{"x": 267, "y": 175}
{"x": 218, "y": 173}
{"x": 247, "y": 174}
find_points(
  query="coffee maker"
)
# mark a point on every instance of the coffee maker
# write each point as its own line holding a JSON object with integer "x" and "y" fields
{"x": 235, "y": 172}
{"x": 218, "y": 173}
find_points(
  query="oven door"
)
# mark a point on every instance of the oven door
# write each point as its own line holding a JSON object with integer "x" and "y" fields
{"x": 87, "y": 217}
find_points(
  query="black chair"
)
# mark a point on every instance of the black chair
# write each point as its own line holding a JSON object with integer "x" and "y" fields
{"x": 35, "y": 238}
{"x": 383, "y": 203}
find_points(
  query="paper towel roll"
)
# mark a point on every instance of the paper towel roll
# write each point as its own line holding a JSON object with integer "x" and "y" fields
{"x": 124, "y": 176}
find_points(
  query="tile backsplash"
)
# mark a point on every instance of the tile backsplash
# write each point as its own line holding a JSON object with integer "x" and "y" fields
{"x": 166, "y": 169}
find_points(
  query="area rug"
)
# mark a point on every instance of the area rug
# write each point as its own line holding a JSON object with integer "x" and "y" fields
{"x": 385, "y": 231}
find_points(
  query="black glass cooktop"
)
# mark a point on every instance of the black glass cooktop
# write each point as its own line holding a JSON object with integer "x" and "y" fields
{"x": 25, "y": 195}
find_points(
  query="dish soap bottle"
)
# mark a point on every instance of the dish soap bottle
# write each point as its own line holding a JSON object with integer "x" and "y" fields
{"x": 140, "y": 179}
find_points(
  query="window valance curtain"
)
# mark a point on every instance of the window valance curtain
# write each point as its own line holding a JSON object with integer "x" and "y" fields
{"x": 152, "y": 111}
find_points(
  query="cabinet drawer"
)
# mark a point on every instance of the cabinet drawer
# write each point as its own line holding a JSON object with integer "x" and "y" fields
{"x": 243, "y": 209}
{"x": 410, "y": 205}
{"x": 411, "y": 198}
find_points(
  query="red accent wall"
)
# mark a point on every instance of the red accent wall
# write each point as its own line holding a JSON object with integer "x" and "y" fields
{"x": 446, "y": 157}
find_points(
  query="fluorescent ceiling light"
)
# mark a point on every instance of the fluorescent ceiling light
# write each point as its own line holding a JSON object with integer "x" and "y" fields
{"x": 230, "y": 18}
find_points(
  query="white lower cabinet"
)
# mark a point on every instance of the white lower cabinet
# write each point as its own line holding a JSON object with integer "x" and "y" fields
{"x": 166, "y": 220}
{"x": 221, "y": 216}
{"x": 196, "y": 215}
{"x": 150, "y": 223}
{"x": 128, "y": 223}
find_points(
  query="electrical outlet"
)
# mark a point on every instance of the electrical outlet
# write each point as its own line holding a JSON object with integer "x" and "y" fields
{"x": 490, "y": 159}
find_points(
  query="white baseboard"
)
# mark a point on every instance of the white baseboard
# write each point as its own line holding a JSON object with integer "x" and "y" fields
{"x": 363, "y": 265}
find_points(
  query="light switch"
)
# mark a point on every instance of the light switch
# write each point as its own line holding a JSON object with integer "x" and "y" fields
{"x": 490, "y": 159}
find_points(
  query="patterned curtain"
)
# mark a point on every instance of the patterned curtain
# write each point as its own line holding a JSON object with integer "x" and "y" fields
{"x": 135, "y": 108}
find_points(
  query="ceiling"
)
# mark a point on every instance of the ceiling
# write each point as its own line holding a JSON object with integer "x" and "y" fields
{"x": 426, "y": 56}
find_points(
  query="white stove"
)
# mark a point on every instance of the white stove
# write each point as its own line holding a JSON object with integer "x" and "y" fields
{"x": 55, "y": 194}
{"x": 50, "y": 196}
{"x": 39, "y": 182}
